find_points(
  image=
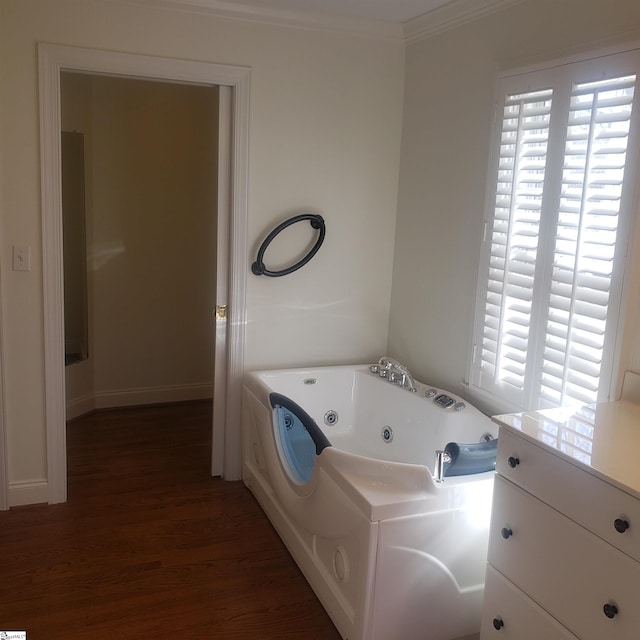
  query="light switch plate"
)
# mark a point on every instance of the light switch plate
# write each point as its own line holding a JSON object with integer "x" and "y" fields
{"x": 21, "y": 258}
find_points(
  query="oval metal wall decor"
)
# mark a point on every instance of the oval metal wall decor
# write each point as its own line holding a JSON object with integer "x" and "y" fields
{"x": 317, "y": 222}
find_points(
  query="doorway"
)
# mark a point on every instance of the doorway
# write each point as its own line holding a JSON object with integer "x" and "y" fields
{"x": 139, "y": 198}
{"x": 232, "y": 249}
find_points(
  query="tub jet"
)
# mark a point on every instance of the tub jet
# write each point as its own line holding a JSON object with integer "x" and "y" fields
{"x": 331, "y": 418}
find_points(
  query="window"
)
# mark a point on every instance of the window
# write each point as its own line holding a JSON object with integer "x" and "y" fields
{"x": 557, "y": 223}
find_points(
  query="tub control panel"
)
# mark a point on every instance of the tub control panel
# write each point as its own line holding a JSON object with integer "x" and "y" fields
{"x": 444, "y": 400}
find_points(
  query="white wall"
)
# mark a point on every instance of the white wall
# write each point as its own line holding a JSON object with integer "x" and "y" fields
{"x": 154, "y": 233}
{"x": 448, "y": 109}
{"x": 325, "y": 135}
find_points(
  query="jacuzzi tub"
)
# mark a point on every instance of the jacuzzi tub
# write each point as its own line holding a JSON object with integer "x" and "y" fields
{"x": 390, "y": 553}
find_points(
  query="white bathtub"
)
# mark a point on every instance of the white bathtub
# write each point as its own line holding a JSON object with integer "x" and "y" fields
{"x": 390, "y": 553}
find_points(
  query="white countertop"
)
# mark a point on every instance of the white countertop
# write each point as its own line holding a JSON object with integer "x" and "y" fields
{"x": 602, "y": 438}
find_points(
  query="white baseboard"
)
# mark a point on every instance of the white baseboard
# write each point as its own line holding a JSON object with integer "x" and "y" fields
{"x": 79, "y": 406}
{"x": 134, "y": 397}
{"x": 29, "y": 492}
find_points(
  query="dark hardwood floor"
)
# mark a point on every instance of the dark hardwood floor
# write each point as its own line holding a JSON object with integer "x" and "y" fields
{"x": 149, "y": 545}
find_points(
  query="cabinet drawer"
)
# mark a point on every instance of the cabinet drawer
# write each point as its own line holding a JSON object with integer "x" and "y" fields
{"x": 576, "y": 493}
{"x": 508, "y": 614}
{"x": 564, "y": 568}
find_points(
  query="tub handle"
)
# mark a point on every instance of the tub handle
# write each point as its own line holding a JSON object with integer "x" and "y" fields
{"x": 316, "y": 221}
{"x": 442, "y": 458}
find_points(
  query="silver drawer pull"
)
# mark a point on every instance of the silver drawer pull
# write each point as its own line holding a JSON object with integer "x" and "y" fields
{"x": 620, "y": 525}
{"x": 513, "y": 462}
{"x": 610, "y": 610}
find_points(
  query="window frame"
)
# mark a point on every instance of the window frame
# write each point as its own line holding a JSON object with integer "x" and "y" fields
{"x": 562, "y": 76}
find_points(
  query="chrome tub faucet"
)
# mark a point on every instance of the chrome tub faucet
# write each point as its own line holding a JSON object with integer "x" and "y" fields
{"x": 394, "y": 372}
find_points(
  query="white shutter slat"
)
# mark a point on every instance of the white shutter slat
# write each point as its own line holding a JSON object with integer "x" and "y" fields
{"x": 585, "y": 360}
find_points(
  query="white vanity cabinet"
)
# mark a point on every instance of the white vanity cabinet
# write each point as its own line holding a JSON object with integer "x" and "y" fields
{"x": 564, "y": 545}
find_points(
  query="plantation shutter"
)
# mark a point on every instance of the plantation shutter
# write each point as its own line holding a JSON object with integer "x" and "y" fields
{"x": 514, "y": 238}
{"x": 585, "y": 242}
{"x": 545, "y": 325}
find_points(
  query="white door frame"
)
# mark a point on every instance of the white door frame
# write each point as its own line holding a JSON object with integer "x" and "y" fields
{"x": 52, "y": 60}
{"x": 4, "y": 477}
{"x": 225, "y": 118}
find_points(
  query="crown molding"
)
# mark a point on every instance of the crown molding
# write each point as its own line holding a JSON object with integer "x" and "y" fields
{"x": 449, "y": 16}
{"x": 362, "y": 27}
{"x": 452, "y": 15}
